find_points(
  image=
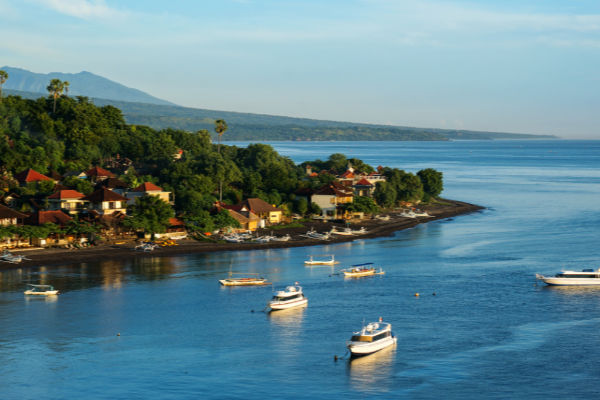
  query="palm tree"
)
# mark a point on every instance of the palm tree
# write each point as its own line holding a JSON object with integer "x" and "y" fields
{"x": 220, "y": 128}
{"x": 3, "y": 78}
{"x": 56, "y": 88}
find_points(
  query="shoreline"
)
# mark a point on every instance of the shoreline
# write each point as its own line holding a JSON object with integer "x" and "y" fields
{"x": 375, "y": 228}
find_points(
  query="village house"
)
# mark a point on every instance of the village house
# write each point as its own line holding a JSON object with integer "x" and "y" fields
{"x": 30, "y": 176}
{"x": 106, "y": 201}
{"x": 247, "y": 219}
{"x": 363, "y": 188}
{"x": 150, "y": 189}
{"x": 69, "y": 200}
{"x": 114, "y": 184}
{"x": 9, "y": 216}
{"x": 330, "y": 196}
{"x": 49, "y": 217}
{"x": 97, "y": 174}
{"x": 267, "y": 214}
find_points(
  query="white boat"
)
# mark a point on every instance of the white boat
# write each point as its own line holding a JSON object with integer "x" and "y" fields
{"x": 291, "y": 297}
{"x": 41, "y": 290}
{"x": 586, "y": 277}
{"x": 360, "y": 231}
{"x": 244, "y": 281}
{"x": 382, "y": 217}
{"x": 312, "y": 234}
{"x": 345, "y": 232}
{"x": 9, "y": 257}
{"x": 262, "y": 239}
{"x": 360, "y": 270}
{"x": 233, "y": 239}
{"x": 281, "y": 238}
{"x": 408, "y": 214}
{"x": 312, "y": 261}
{"x": 146, "y": 246}
{"x": 371, "y": 338}
{"x": 419, "y": 213}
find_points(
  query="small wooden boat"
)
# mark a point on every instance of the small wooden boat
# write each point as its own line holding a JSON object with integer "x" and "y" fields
{"x": 244, "y": 281}
{"x": 41, "y": 290}
{"x": 360, "y": 270}
{"x": 312, "y": 261}
{"x": 291, "y": 297}
{"x": 371, "y": 338}
{"x": 9, "y": 257}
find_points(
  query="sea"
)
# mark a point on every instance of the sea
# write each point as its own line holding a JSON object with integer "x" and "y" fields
{"x": 480, "y": 327}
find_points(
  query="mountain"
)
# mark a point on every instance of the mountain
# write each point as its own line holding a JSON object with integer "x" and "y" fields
{"x": 140, "y": 108}
{"x": 81, "y": 84}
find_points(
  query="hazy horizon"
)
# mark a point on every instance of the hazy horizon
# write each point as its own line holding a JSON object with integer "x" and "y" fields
{"x": 510, "y": 66}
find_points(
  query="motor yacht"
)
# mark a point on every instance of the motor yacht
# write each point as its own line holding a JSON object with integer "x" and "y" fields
{"x": 371, "y": 338}
{"x": 291, "y": 297}
{"x": 586, "y": 277}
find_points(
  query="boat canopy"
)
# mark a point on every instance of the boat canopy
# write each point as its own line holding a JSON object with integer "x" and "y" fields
{"x": 41, "y": 286}
{"x": 361, "y": 265}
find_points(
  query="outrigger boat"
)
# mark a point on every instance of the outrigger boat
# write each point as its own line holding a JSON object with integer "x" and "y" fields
{"x": 360, "y": 270}
{"x": 312, "y": 261}
{"x": 245, "y": 281}
{"x": 291, "y": 297}
{"x": 371, "y": 338}
{"x": 587, "y": 277}
{"x": 9, "y": 257}
{"x": 41, "y": 290}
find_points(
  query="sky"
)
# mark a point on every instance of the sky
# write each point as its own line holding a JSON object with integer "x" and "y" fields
{"x": 525, "y": 66}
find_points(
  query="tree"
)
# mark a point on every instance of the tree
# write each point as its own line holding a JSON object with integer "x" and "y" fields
{"x": 220, "y": 128}
{"x": 433, "y": 182}
{"x": 56, "y": 89}
{"x": 385, "y": 195}
{"x": 3, "y": 78}
{"x": 150, "y": 214}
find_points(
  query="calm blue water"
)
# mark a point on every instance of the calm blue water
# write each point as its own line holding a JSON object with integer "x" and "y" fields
{"x": 489, "y": 331}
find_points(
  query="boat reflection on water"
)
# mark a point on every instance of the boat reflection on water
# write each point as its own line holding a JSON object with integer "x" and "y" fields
{"x": 373, "y": 373}
{"x": 40, "y": 299}
{"x": 574, "y": 290}
{"x": 286, "y": 330}
{"x": 290, "y": 318}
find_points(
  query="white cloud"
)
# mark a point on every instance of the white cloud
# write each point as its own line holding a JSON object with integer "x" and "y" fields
{"x": 84, "y": 9}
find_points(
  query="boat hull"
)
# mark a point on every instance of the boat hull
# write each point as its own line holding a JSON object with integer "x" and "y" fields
{"x": 46, "y": 293}
{"x": 553, "y": 281}
{"x": 359, "y": 349}
{"x": 258, "y": 282}
{"x": 284, "y": 305}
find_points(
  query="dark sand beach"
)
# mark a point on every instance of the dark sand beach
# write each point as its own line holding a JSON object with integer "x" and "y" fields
{"x": 374, "y": 228}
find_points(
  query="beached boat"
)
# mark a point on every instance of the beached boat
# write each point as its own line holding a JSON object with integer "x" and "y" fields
{"x": 244, "y": 281}
{"x": 371, "y": 338}
{"x": 312, "y": 261}
{"x": 419, "y": 213}
{"x": 40, "y": 290}
{"x": 9, "y": 257}
{"x": 586, "y": 277}
{"x": 360, "y": 270}
{"x": 146, "y": 246}
{"x": 408, "y": 214}
{"x": 312, "y": 234}
{"x": 291, "y": 297}
{"x": 345, "y": 232}
{"x": 284, "y": 238}
{"x": 360, "y": 231}
{"x": 233, "y": 239}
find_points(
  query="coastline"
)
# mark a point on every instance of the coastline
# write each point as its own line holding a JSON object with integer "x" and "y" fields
{"x": 375, "y": 228}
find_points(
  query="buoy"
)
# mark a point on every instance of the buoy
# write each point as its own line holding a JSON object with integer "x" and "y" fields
{"x": 434, "y": 293}
{"x": 335, "y": 358}
{"x": 251, "y": 310}
{"x": 416, "y": 294}
{"x": 118, "y": 334}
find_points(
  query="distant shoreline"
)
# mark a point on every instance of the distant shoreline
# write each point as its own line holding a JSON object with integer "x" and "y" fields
{"x": 375, "y": 228}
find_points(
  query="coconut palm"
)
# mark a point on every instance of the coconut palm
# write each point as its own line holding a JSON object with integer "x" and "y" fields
{"x": 220, "y": 128}
{"x": 56, "y": 88}
{"x": 3, "y": 78}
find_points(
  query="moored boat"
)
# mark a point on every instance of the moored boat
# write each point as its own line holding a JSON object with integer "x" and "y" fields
{"x": 371, "y": 338}
{"x": 291, "y": 297}
{"x": 244, "y": 281}
{"x": 586, "y": 277}
{"x": 360, "y": 270}
{"x": 9, "y": 257}
{"x": 40, "y": 290}
{"x": 312, "y": 261}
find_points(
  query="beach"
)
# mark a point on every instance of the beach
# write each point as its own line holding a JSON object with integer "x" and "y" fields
{"x": 374, "y": 228}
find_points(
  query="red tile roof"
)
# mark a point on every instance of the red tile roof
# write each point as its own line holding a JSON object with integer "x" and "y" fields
{"x": 45, "y": 217}
{"x": 363, "y": 182}
{"x": 66, "y": 194}
{"x": 147, "y": 187}
{"x": 347, "y": 175}
{"x": 104, "y": 194}
{"x": 98, "y": 171}
{"x": 30, "y": 175}
{"x": 176, "y": 222}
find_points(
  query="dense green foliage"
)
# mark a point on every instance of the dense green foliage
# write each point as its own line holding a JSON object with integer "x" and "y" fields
{"x": 149, "y": 214}
{"x": 433, "y": 182}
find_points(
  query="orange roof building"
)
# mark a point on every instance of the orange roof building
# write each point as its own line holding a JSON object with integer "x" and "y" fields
{"x": 30, "y": 175}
